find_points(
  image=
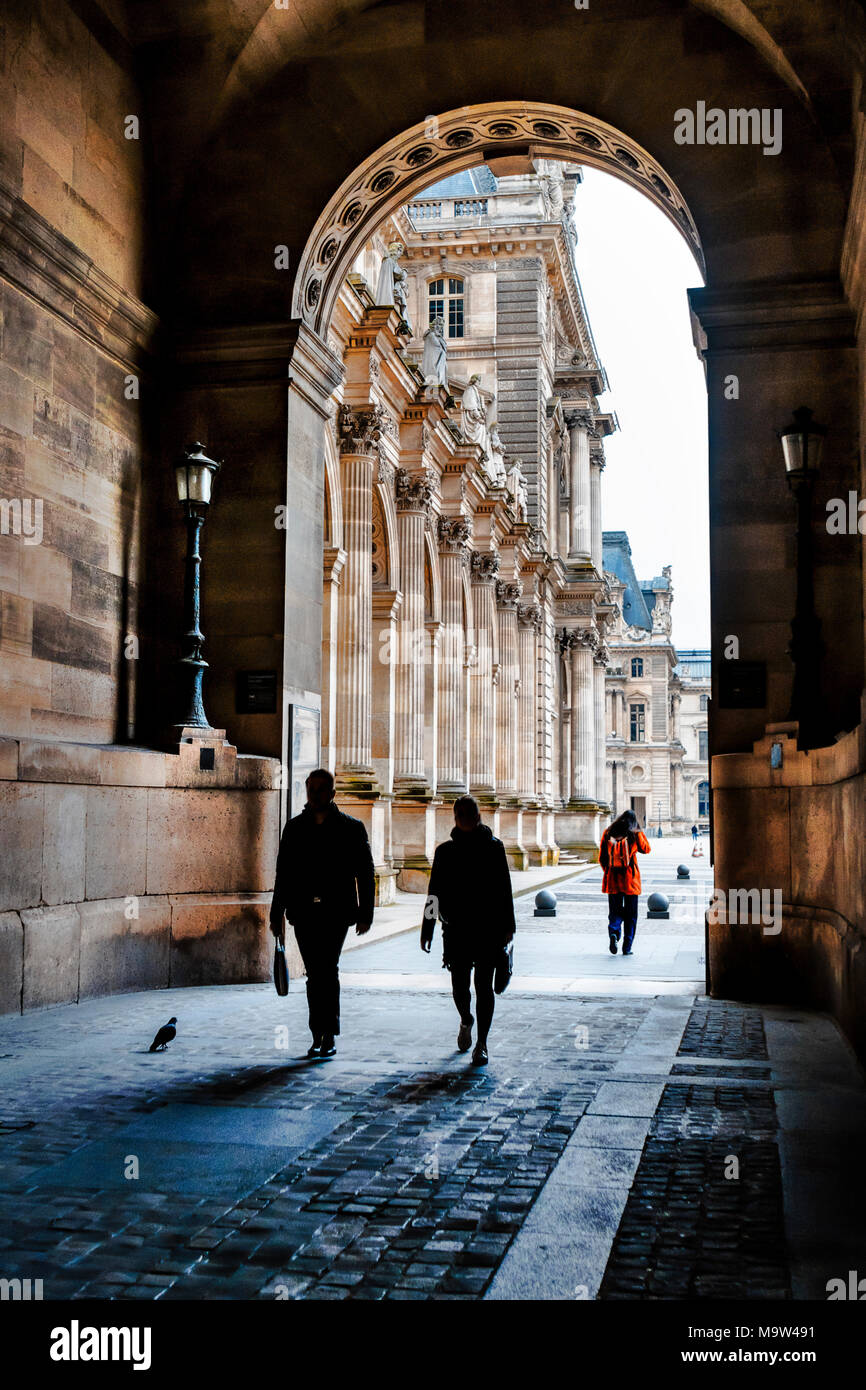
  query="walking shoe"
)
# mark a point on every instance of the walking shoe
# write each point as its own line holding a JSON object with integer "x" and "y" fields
{"x": 328, "y": 1048}
{"x": 464, "y": 1037}
{"x": 612, "y": 942}
{"x": 626, "y": 950}
{"x": 316, "y": 1048}
{"x": 479, "y": 1056}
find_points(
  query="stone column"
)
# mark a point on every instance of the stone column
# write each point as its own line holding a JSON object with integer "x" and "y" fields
{"x": 413, "y": 818}
{"x": 453, "y": 536}
{"x": 507, "y": 598}
{"x": 510, "y": 814}
{"x": 583, "y": 770}
{"x": 334, "y": 560}
{"x": 528, "y": 629}
{"x": 599, "y": 669}
{"x": 580, "y": 504}
{"x": 413, "y": 506}
{"x": 676, "y": 701}
{"x": 482, "y": 775}
{"x": 359, "y": 434}
{"x": 596, "y": 468}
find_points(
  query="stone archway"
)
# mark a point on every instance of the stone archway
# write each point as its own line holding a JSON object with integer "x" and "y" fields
{"x": 493, "y": 133}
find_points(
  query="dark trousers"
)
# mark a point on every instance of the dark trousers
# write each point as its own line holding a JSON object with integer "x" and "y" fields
{"x": 622, "y": 912}
{"x": 320, "y": 943}
{"x": 485, "y": 999}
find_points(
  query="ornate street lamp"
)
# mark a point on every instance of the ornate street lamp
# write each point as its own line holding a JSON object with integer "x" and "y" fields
{"x": 802, "y": 443}
{"x": 195, "y": 474}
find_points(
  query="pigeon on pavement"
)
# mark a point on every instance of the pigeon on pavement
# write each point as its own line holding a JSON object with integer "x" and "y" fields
{"x": 165, "y": 1035}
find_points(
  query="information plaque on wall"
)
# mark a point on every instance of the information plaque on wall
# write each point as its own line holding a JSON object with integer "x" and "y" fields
{"x": 304, "y": 753}
{"x": 256, "y": 692}
{"x": 742, "y": 684}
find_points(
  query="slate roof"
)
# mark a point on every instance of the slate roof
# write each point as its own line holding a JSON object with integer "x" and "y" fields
{"x": 469, "y": 183}
{"x": 616, "y": 558}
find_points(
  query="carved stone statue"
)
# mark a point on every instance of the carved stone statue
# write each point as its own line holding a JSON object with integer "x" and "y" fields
{"x": 516, "y": 485}
{"x": 473, "y": 415}
{"x": 434, "y": 362}
{"x": 495, "y": 464}
{"x": 393, "y": 281}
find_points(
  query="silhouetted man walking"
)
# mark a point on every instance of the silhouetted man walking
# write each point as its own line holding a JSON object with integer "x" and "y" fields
{"x": 324, "y": 883}
{"x": 470, "y": 889}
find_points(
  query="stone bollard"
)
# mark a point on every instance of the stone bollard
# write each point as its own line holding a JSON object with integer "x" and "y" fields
{"x": 657, "y": 906}
{"x": 683, "y": 871}
{"x": 545, "y": 904}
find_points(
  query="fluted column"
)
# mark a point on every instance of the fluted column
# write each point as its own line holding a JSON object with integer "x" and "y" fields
{"x": 596, "y": 468}
{"x": 528, "y": 628}
{"x": 359, "y": 432}
{"x": 676, "y": 701}
{"x": 599, "y": 669}
{"x": 507, "y": 598}
{"x": 413, "y": 505}
{"x": 453, "y": 536}
{"x": 482, "y": 701}
{"x": 580, "y": 504}
{"x": 581, "y": 645}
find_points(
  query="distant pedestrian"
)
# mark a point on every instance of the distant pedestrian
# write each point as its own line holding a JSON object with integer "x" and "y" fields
{"x": 694, "y": 832}
{"x": 470, "y": 890}
{"x": 621, "y": 843}
{"x": 324, "y": 884}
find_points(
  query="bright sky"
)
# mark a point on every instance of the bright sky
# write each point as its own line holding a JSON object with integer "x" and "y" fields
{"x": 634, "y": 268}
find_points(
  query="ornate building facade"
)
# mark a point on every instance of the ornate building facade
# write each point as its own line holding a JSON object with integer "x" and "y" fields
{"x": 466, "y": 608}
{"x": 657, "y": 703}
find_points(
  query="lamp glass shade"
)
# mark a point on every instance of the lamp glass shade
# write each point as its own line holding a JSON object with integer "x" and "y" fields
{"x": 195, "y": 474}
{"x": 802, "y": 444}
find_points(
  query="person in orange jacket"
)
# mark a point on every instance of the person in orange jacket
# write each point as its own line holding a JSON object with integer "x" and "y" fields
{"x": 621, "y": 843}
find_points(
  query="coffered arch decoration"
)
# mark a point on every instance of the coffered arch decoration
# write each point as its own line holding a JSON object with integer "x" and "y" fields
{"x": 400, "y": 170}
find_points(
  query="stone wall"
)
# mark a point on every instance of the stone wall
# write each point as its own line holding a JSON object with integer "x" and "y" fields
{"x": 795, "y": 829}
{"x": 125, "y": 869}
{"x": 74, "y": 336}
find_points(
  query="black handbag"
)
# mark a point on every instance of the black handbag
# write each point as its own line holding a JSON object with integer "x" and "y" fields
{"x": 504, "y": 969}
{"x": 281, "y": 969}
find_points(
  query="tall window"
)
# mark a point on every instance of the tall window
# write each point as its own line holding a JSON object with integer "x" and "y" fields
{"x": 446, "y": 301}
{"x": 702, "y": 745}
{"x": 704, "y": 702}
{"x": 637, "y": 723}
{"x": 637, "y": 665}
{"x": 703, "y": 798}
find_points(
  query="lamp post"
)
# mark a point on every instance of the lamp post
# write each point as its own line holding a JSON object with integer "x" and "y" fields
{"x": 195, "y": 474}
{"x": 659, "y": 815}
{"x": 802, "y": 443}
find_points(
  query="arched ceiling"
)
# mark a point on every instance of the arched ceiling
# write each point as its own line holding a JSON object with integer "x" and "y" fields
{"x": 269, "y": 109}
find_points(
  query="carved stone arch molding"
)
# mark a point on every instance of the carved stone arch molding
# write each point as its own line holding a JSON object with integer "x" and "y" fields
{"x": 401, "y": 169}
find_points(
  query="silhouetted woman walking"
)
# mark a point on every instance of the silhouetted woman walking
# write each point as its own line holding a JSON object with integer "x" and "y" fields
{"x": 620, "y": 846}
{"x": 470, "y": 889}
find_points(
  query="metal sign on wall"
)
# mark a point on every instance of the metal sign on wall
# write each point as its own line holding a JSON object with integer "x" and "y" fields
{"x": 304, "y": 753}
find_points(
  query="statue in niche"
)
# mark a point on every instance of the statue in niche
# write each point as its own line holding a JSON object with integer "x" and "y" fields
{"x": 393, "y": 282}
{"x": 473, "y": 415}
{"x": 434, "y": 362}
{"x": 516, "y": 485}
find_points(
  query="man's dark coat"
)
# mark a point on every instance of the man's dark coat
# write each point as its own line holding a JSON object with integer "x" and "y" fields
{"x": 331, "y": 862}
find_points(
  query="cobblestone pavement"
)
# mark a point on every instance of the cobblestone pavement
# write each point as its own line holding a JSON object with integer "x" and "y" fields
{"x": 588, "y": 1159}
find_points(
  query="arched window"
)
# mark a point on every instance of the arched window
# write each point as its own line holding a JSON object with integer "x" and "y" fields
{"x": 703, "y": 798}
{"x": 446, "y": 302}
{"x": 704, "y": 702}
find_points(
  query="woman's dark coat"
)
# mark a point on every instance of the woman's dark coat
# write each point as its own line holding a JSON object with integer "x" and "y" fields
{"x": 470, "y": 890}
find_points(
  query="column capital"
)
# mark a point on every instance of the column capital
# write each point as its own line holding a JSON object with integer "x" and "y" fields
{"x": 359, "y": 428}
{"x": 453, "y": 533}
{"x": 530, "y": 615}
{"x": 582, "y": 420}
{"x": 507, "y": 594}
{"x": 413, "y": 491}
{"x": 485, "y": 566}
